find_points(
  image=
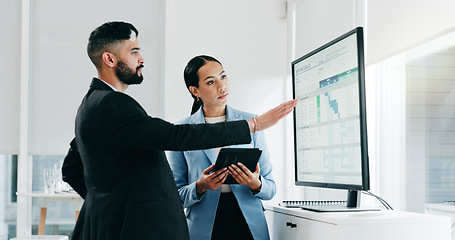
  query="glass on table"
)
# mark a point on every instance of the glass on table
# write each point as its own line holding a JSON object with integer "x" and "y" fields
{"x": 50, "y": 180}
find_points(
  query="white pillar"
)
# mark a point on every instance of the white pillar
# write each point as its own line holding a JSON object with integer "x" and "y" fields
{"x": 24, "y": 177}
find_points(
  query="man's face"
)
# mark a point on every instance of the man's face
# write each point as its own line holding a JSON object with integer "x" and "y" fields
{"x": 128, "y": 75}
{"x": 130, "y": 63}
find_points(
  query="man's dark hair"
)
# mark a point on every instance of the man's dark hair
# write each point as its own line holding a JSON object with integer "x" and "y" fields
{"x": 106, "y": 37}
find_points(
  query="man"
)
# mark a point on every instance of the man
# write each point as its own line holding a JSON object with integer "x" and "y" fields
{"x": 116, "y": 160}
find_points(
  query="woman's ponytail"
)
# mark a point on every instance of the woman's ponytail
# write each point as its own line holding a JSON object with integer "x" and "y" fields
{"x": 196, "y": 105}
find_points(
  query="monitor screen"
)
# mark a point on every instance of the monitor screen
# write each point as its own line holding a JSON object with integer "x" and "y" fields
{"x": 330, "y": 119}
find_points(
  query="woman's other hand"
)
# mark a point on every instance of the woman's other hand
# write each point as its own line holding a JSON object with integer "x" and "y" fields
{"x": 245, "y": 177}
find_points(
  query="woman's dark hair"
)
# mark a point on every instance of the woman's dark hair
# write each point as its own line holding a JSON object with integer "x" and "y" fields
{"x": 192, "y": 78}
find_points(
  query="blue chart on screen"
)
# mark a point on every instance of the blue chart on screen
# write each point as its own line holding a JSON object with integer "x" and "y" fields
{"x": 328, "y": 116}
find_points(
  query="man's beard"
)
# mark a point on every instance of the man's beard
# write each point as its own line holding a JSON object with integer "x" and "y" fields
{"x": 126, "y": 75}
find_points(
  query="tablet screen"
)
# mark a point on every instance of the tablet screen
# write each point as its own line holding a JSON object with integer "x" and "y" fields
{"x": 247, "y": 156}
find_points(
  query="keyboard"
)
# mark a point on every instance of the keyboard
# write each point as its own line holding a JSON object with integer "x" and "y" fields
{"x": 450, "y": 203}
{"x": 298, "y": 204}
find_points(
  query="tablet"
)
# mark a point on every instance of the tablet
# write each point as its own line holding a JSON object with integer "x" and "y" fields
{"x": 247, "y": 156}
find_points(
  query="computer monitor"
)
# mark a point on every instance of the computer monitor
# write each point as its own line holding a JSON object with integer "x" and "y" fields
{"x": 330, "y": 130}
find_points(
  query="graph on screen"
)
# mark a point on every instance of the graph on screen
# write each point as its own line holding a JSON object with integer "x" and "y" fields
{"x": 328, "y": 116}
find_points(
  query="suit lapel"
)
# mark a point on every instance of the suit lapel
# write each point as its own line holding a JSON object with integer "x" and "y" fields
{"x": 231, "y": 114}
{"x": 210, "y": 153}
{"x": 198, "y": 118}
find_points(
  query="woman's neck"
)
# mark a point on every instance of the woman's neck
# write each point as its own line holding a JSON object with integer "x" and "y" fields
{"x": 214, "y": 111}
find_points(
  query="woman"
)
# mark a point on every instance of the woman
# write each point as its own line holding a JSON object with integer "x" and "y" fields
{"x": 215, "y": 210}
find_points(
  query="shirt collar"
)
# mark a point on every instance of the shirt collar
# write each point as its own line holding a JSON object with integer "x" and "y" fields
{"x": 231, "y": 115}
{"x": 113, "y": 88}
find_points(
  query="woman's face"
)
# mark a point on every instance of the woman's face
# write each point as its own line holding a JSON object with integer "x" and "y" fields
{"x": 213, "y": 85}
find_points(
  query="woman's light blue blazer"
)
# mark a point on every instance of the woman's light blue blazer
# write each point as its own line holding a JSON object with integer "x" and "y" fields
{"x": 188, "y": 166}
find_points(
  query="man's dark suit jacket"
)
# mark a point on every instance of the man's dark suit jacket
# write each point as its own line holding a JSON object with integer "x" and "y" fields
{"x": 117, "y": 164}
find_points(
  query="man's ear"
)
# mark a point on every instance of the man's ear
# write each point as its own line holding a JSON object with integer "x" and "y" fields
{"x": 109, "y": 59}
{"x": 193, "y": 90}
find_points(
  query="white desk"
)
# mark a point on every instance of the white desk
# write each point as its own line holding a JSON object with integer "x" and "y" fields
{"x": 52, "y": 197}
{"x": 294, "y": 223}
{"x": 443, "y": 210}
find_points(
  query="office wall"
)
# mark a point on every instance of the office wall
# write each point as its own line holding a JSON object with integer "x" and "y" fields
{"x": 396, "y": 26}
{"x": 430, "y": 132}
{"x": 391, "y": 27}
{"x": 250, "y": 40}
{"x": 61, "y": 72}
{"x": 318, "y": 22}
{"x": 10, "y": 76}
{"x": 246, "y": 36}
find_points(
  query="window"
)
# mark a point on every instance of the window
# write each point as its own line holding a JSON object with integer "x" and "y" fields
{"x": 8, "y": 199}
{"x": 415, "y": 125}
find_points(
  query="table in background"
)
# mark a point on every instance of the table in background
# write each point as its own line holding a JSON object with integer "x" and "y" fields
{"x": 52, "y": 197}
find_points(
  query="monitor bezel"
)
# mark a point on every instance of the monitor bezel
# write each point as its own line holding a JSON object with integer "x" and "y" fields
{"x": 362, "y": 107}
